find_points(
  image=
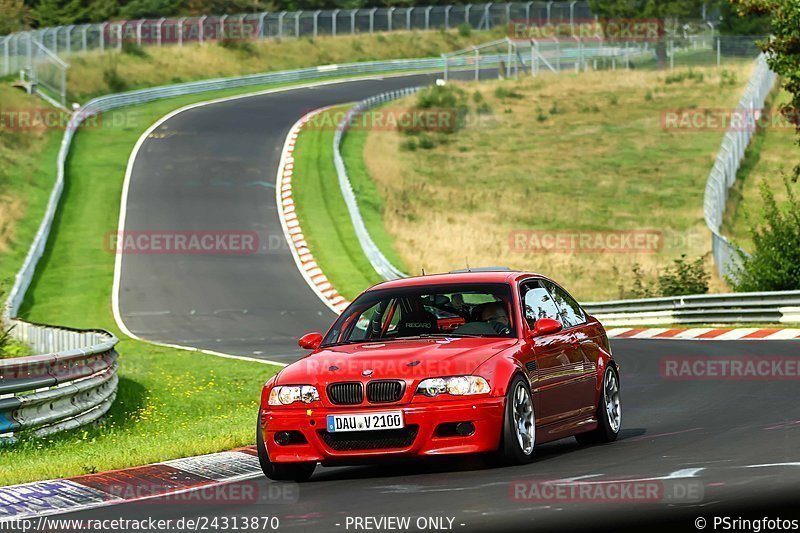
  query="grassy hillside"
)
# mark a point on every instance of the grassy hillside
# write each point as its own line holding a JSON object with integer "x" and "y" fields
{"x": 27, "y": 173}
{"x": 571, "y": 154}
{"x": 98, "y": 73}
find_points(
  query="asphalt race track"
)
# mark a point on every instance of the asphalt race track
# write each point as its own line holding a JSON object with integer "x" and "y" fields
{"x": 213, "y": 167}
{"x": 726, "y": 439}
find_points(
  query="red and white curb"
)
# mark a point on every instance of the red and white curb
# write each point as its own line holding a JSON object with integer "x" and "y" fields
{"x": 190, "y": 480}
{"x": 717, "y": 334}
{"x": 291, "y": 225}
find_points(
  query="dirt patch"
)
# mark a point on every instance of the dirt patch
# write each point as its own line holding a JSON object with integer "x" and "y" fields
{"x": 11, "y": 209}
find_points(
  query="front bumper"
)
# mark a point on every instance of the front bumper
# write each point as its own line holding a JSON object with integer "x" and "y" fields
{"x": 486, "y": 414}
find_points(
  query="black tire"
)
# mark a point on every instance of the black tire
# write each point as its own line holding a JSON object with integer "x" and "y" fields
{"x": 604, "y": 432}
{"x": 281, "y": 471}
{"x": 511, "y": 451}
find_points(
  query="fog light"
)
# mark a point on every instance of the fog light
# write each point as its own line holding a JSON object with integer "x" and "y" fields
{"x": 465, "y": 429}
{"x": 283, "y": 438}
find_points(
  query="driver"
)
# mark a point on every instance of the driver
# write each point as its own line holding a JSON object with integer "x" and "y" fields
{"x": 495, "y": 312}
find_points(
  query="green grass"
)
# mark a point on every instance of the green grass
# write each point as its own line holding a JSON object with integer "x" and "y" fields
{"x": 370, "y": 202}
{"x": 772, "y": 154}
{"x": 27, "y": 164}
{"x": 574, "y": 153}
{"x": 99, "y": 73}
{"x": 323, "y": 214}
{"x": 171, "y": 403}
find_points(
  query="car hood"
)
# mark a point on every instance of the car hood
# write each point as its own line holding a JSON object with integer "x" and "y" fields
{"x": 401, "y": 359}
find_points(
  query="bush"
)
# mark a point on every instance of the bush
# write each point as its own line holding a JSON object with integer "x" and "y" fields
{"x": 775, "y": 262}
{"x": 727, "y": 78}
{"x": 502, "y": 93}
{"x": 408, "y": 145}
{"x": 445, "y": 99}
{"x": 640, "y": 287}
{"x": 465, "y": 30}
{"x": 237, "y": 45}
{"x": 133, "y": 49}
{"x": 483, "y": 108}
{"x": 684, "y": 278}
{"x": 426, "y": 143}
{"x": 115, "y": 82}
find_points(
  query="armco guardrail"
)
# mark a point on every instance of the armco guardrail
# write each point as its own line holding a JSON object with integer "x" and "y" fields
{"x": 746, "y": 307}
{"x": 376, "y": 258}
{"x": 107, "y": 103}
{"x": 81, "y": 397}
{"x": 60, "y": 391}
{"x": 731, "y": 153}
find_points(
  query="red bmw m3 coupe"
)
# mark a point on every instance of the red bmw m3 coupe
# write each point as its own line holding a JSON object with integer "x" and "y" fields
{"x": 468, "y": 362}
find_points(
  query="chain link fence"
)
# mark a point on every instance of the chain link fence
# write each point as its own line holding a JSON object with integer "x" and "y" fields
{"x": 65, "y": 40}
{"x": 535, "y": 56}
{"x": 726, "y": 166}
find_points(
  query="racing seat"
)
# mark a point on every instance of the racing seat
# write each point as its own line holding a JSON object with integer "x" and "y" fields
{"x": 417, "y": 323}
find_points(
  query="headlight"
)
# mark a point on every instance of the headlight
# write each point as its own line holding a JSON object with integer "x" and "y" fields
{"x": 285, "y": 395}
{"x": 456, "y": 385}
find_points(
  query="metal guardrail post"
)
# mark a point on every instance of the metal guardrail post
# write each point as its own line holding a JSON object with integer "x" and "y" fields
{"x": 181, "y": 22}
{"x": 260, "y": 29}
{"x": 6, "y": 58}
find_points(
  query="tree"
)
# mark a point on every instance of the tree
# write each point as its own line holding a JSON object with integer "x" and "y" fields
{"x": 16, "y": 16}
{"x": 731, "y": 23}
{"x": 774, "y": 264}
{"x": 783, "y": 50}
{"x": 648, "y": 9}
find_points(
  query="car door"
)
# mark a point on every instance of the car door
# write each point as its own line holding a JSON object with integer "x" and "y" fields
{"x": 582, "y": 349}
{"x": 547, "y": 357}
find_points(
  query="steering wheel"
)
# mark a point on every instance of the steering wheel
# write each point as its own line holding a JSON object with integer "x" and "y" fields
{"x": 499, "y": 327}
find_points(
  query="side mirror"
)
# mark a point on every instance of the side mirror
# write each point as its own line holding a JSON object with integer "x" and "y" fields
{"x": 310, "y": 341}
{"x": 545, "y": 326}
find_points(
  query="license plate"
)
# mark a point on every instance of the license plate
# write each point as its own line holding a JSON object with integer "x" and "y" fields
{"x": 365, "y": 421}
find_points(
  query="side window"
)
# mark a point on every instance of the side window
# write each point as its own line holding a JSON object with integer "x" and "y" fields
{"x": 570, "y": 310}
{"x": 538, "y": 303}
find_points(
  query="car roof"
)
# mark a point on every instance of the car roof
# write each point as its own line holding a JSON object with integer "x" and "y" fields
{"x": 474, "y": 276}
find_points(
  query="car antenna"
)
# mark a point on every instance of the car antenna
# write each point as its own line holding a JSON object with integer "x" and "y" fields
{"x": 423, "y": 271}
{"x": 466, "y": 260}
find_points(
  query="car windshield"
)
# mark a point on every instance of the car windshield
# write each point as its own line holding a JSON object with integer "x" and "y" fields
{"x": 463, "y": 310}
